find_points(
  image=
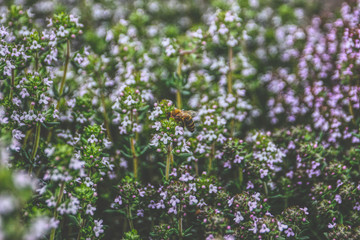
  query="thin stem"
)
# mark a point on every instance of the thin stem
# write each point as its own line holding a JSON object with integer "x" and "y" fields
{"x": 52, "y": 234}
{"x": 241, "y": 177}
{"x": 229, "y": 83}
{"x": 81, "y": 227}
{"x": 36, "y": 61}
{"x": 106, "y": 118}
{"x": 229, "y": 77}
{"x": 27, "y": 135}
{"x": 62, "y": 84}
{"x": 178, "y": 71}
{"x": 36, "y": 145}
{"x": 212, "y": 154}
{"x": 130, "y": 218}
{"x": 135, "y": 158}
{"x": 168, "y": 161}
{"x": 266, "y": 189}
{"x": 67, "y": 58}
{"x": 197, "y": 168}
{"x": 352, "y": 112}
{"x": 12, "y": 84}
{"x": 178, "y": 99}
{"x": 180, "y": 227}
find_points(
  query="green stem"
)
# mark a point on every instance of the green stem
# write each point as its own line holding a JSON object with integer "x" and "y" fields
{"x": 36, "y": 145}
{"x": 106, "y": 118}
{"x": 130, "y": 218}
{"x": 27, "y": 135}
{"x": 229, "y": 77}
{"x": 168, "y": 161}
{"x": 135, "y": 158}
{"x": 178, "y": 99}
{"x": 266, "y": 189}
{"x": 82, "y": 226}
{"x": 12, "y": 84}
{"x": 241, "y": 177}
{"x": 36, "y": 61}
{"x": 180, "y": 227}
{"x": 67, "y": 58}
{"x": 62, "y": 84}
{"x": 178, "y": 71}
{"x": 212, "y": 155}
{"x": 52, "y": 234}
{"x": 229, "y": 83}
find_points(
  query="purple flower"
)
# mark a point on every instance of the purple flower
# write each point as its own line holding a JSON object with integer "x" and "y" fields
{"x": 264, "y": 229}
{"x": 252, "y": 205}
{"x": 338, "y": 199}
{"x": 192, "y": 200}
{"x": 186, "y": 177}
{"x": 173, "y": 201}
{"x": 289, "y": 232}
{"x": 140, "y": 213}
{"x": 238, "y": 159}
{"x": 282, "y": 226}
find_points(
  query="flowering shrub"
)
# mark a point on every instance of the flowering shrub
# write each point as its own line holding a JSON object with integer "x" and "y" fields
{"x": 99, "y": 139}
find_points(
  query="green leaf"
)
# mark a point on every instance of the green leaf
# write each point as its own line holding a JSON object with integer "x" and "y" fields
{"x": 125, "y": 154}
{"x": 74, "y": 220}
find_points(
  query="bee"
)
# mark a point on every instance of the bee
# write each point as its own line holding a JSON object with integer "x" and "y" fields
{"x": 185, "y": 118}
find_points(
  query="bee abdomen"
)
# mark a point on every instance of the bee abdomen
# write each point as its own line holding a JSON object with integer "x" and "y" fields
{"x": 190, "y": 124}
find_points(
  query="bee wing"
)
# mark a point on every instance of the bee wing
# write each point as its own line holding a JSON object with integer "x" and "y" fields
{"x": 192, "y": 113}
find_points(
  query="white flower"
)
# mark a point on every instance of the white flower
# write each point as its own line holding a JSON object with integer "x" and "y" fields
{"x": 157, "y": 126}
{"x": 252, "y": 205}
{"x": 170, "y": 50}
{"x": 165, "y": 42}
{"x": 44, "y": 99}
{"x": 17, "y": 134}
{"x": 179, "y": 130}
{"x": 232, "y": 42}
{"x": 39, "y": 227}
{"x": 208, "y": 120}
{"x": 230, "y": 17}
{"x": 282, "y": 226}
{"x": 51, "y": 202}
{"x": 223, "y": 30}
{"x": 185, "y": 147}
{"x": 62, "y": 32}
{"x": 155, "y": 140}
{"x": 90, "y": 209}
{"x": 98, "y": 227}
{"x": 212, "y": 188}
{"x": 129, "y": 101}
{"x": 165, "y": 138}
{"x": 92, "y": 139}
{"x": 126, "y": 121}
{"x": 263, "y": 173}
{"x": 238, "y": 217}
{"x": 24, "y": 93}
{"x": 137, "y": 127}
{"x": 192, "y": 200}
{"x": 35, "y": 45}
{"x": 23, "y": 180}
{"x": 7, "y": 203}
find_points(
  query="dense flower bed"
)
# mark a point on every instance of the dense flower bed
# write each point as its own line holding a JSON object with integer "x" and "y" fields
{"x": 266, "y": 144}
